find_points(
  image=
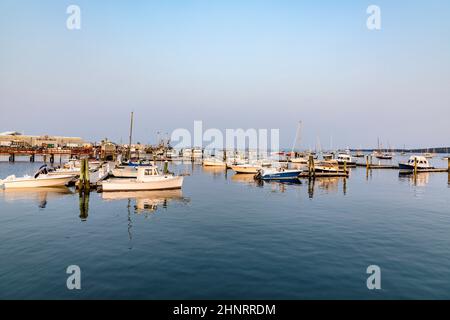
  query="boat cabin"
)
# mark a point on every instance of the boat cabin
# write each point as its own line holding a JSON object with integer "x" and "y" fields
{"x": 344, "y": 157}
{"x": 146, "y": 172}
{"x": 421, "y": 161}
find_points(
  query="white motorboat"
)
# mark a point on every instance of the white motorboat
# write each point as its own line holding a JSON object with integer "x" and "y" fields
{"x": 422, "y": 163}
{"x": 213, "y": 162}
{"x": 74, "y": 172}
{"x": 148, "y": 178}
{"x": 300, "y": 160}
{"x": 246, "y": 168}
{"x": 344, "y": 158}
{"x": 40, "y": 179}
{"x": 330, "y": 166}
{"x": 125, "y": 172}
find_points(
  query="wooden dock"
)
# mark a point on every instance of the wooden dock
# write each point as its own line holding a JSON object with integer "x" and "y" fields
{"x": 307, "y": 175}
{"x": 377, "y": 166}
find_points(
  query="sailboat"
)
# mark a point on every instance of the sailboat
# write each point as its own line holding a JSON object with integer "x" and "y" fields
{"x": 382, "y": 155}
{"x": 298, "y": 160}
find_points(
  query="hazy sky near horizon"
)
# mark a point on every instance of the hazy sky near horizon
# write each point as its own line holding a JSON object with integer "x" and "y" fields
{"x": 232, "y": 64}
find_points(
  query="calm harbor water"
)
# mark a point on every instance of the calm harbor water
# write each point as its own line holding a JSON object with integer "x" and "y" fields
{"x": 226, "y": 236}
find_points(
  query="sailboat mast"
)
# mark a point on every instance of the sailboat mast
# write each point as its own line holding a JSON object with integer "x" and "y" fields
{"x": 297, "y": 136}
{"x": 131, "y": 135}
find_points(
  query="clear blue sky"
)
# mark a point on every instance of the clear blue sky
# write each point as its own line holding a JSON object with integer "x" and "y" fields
{"x": 249, "y": 64}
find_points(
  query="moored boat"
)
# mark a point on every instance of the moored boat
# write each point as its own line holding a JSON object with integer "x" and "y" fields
{"x": 278, "y": 174}
{"x": 420, "y": 161}
{"x": 345, "y": 159}
{"x": 246, "y": 168}
{"x": 40, "y": 179}
{"x": 148, "y": 178}
{"x": 213, "y": 162}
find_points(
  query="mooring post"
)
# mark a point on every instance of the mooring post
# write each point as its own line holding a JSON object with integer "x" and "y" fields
{"x": 52, "y": 158}
{"x": 345, "y": 167}
{"x": 87, "y": 184}
{"x": 415, "y": 166}
{"x": 367, "y": 162}
{"x": 311, "y": 165}
{"x": 166, "y": 167}
{"x": 448, "y": 161}
{"x": 12, "y": 157}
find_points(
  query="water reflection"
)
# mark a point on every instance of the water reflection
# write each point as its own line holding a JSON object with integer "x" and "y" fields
{"x": 214, "y": 171}
{"x": 40, "y": 195}
{"x": 147, "y": 201}
{"x": 326, "y": 184}
{"x": 420, "y": 179}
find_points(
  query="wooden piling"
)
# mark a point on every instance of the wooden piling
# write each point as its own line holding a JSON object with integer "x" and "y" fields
{"x": 415, "y": 166}
{"x": 311, "y": 169}
{"x": 448, "y": 161}
{"x": 166, "y": 167}
{"x": 345, "y": 166}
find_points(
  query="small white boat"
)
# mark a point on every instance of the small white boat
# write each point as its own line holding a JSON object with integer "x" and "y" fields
{"x": 300, "y": 160}
{"x": 125, "y": 172}
{"x": 74, "y": 172}
{"x": 422, "y": 163}
{"x": 344, "y": 158}
{"x": 214, "y": 162}
{"x": 39, "y": 180}
{"x": 330, "y": 166}
{"x": 148, "y": 178}
{"x": 246, "y": 168}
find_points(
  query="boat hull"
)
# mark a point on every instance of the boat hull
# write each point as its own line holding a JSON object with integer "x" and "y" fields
{"x": 290, "y": 175}
{"x": 207, "y": 163}
{"x": 56, "y": 181}
{"x": 407, "y": 166}
{"x": 134, "y": 185}
{"x": 245, "y": 169}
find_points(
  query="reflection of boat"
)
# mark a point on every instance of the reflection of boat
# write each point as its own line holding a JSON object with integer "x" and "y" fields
{"x": 422, "y": 163}
{"x": 243, "y": 177}
{"x": 40, "y": 179}
{"x": 213, "y": 162}
{"x": 148, "y": 178}
{"x": 34, "y": 193}
{"x": 278, "y": 174}
{"x": 146, "y": 200}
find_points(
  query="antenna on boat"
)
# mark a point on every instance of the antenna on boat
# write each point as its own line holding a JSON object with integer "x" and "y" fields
{"x": 131, "y": 134}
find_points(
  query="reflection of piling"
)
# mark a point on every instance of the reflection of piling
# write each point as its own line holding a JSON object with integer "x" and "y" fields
{"x": 84, "y": 205}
